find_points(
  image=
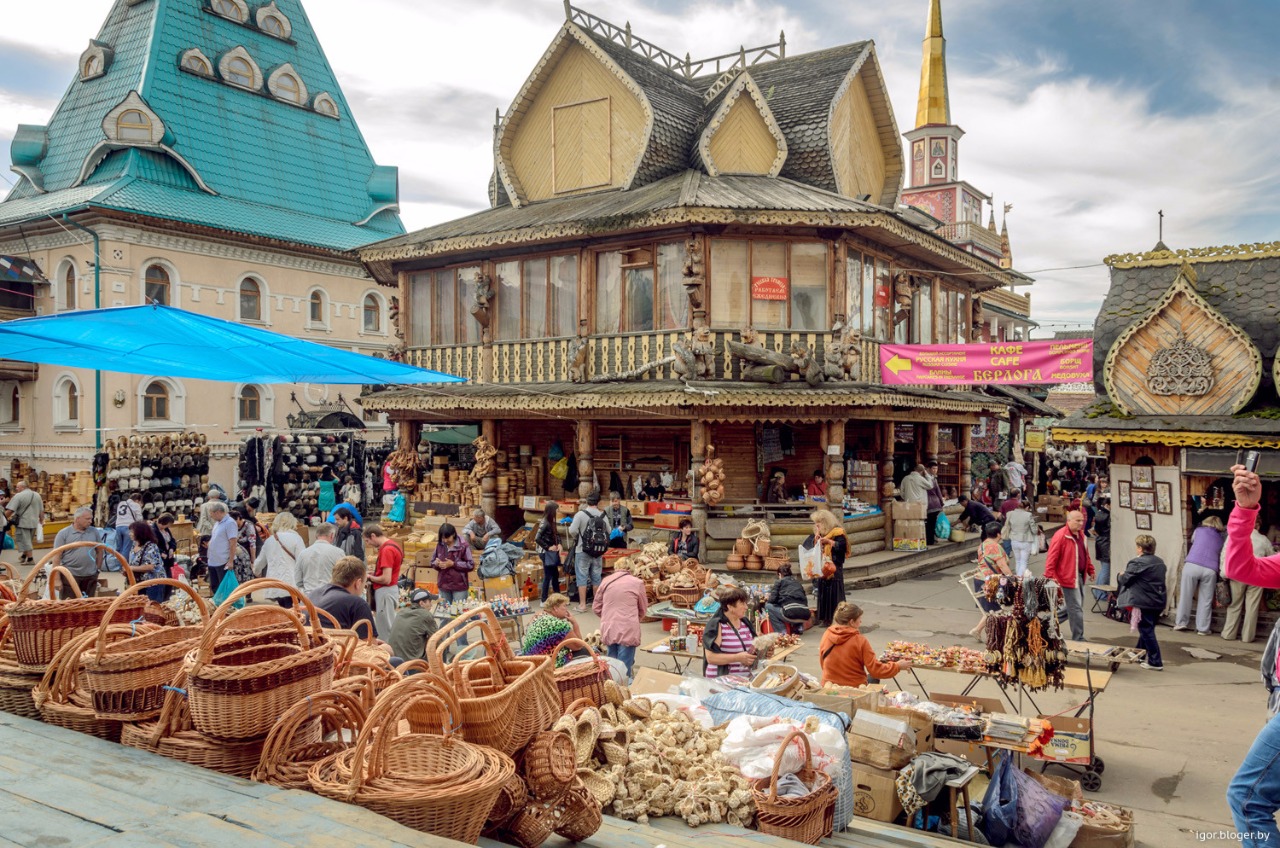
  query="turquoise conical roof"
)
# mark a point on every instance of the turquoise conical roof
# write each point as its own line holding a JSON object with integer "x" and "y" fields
{"x": 231, "y": 159}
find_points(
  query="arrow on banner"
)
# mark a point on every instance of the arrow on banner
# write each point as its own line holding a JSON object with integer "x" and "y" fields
{"x": 897, "y": 364}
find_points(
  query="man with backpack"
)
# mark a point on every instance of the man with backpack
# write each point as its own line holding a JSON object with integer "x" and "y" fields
{"x": 590, "y": 534}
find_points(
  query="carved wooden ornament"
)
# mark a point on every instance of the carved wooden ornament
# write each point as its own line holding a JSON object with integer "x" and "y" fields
{"x": 1182, "y": 358}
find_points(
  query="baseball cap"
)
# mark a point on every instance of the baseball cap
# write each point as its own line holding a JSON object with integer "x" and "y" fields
{"x": 421, "y": 595}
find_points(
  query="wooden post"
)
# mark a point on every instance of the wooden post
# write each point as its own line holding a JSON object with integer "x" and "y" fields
{"x": 966, "y": 458}
{"x": 585, "y": 449}
{"x": 930, "y": 443}
{"x": 699, "y": 437}
{"x": 887, "y": 488}
{"x": 489, "y": 482}
{"x": 835, "y": 463}
{"x": 1015, "y": 433}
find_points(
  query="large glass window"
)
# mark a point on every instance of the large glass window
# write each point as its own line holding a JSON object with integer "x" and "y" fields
{"x": 372, "y": 314}
{"x": 922, "y": 314}
{"x": 155, "y": 402}
{"x": 69, "y": 288}
{"x": 133, "y": 125}
{"x": 853, "y": 290}
{"x": 641, "y": 289}
{"x": 250, "y": 404}
{"x": 250, "y": 300}
{"x": 883, "y": 299}
{"x": 537, "y": 298}
{"x": 157, "y": 285}
{"x": 784, "y": 288}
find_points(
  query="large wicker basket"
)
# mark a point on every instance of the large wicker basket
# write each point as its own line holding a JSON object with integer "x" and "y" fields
{"x": 41, "y": 627}
{"x": 239, "y": 686}
{"x": 126, "y": 678}
{"x": 777, "y": 558}
{"x": 504, "y": 700}
{"x": 59, "y": 697}
{"x": 285, "y": 761}
{"x": 808, "y": 818}
{"x": 581, "y": 680}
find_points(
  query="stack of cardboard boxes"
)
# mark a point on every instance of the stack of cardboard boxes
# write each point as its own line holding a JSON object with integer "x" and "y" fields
{"x": 908, "y": 526}
{"x": 1051, "y": 508}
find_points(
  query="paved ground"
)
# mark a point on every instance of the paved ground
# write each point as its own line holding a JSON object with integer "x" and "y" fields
{"x": 1171, "y": 739}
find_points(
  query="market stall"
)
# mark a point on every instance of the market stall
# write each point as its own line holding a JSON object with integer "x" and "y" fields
{"x": 283, "y": 469}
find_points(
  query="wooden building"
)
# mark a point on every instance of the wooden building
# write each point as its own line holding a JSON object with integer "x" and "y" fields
{"x": 689, "y": 253}
{"x": 1185, "y": 364}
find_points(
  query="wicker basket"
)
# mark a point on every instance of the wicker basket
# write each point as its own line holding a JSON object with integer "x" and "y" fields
{"x": 512, "y": 798}
{"x": 504, "y": 700}
{"x": 581, "y": 680}
{"x": 60, "y": 700}
{"x": 742, "y": 547}
{"x": 285, "y": 762}
{"x": 237, "y": 687}
{"x": 735, "y": 562}
{"x": 580, "y": 815}
{"x": 432, "y": 783}
{"x": 41, "y": 627}
{"x": 777, "y": 558}
{"x": 548, "y": 764}
{"x": 126, "y": 678}
{"x": 684, "y": 597}
{"x": 15, "y": 684}
{"x": 792, "y": 681}
{"x": 761, "y": 546}
{"x": 806, "y": 819}
{"x": 531, "y": 827}
{"x": 755, "y": 563}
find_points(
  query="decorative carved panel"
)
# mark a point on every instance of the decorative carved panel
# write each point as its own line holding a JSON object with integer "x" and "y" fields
{"x": 1180, "y": 369}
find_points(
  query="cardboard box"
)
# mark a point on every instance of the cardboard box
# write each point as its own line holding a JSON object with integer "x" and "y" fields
{"x": 921, "y": 724}
{"x": 1070, "y": 742}
{"x": 874, "y": 752}
{"x": 873, "y": 725}
{"x": 910, "y": 545}
{"x": 655, "y": 507}
{"x": 980, "y": 705}
{"x": 495, "y": 586}
{"x": 650, "y": 681}
{"x": 908, "y": 529}
{"x": 668, "y": 520}
{"x": 636, "y": 508}
{"x": 908, "y": 511}
{"x": 971, "y": 751}
{"x": 875, "y": 795}
{"x": 844, "y": 704}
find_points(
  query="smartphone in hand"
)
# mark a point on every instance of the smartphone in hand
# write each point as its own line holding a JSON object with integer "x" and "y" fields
{"x": 1251, "y": 459}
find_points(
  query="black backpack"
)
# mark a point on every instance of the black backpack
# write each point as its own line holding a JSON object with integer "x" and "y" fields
{"x": 595, "y": 538}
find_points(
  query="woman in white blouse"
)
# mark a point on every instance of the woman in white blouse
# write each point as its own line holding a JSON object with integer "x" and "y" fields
{"x": 278, "y": 557}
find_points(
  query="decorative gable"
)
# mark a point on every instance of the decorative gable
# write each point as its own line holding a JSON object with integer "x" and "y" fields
{"x": 1183, "y": 358}
{"x": 866, "y": 155}
{"x": 580, "y": 123}
{"x": 743, "y": 136}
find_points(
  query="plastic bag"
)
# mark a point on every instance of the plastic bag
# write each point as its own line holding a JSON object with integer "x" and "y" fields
{"x": 811, "y": 562}
{"x": 942, "y": 527}
{"x": 39, "y": 533}
{"x": 560, "y": 469}
{"x": 752, "y": 744}
{"x": 556, "y": 453}
{"x": 399, "y": 509}
{"x": 1064, "y": 833}
{"x": 228, "y": 585}
{"x": 1000, "y": 804}
{"x": 1039, "y": 812}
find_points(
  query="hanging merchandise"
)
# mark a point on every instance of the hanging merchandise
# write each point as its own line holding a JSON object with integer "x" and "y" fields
{"x": 171, "y": 471}
{"x": 1025, "y": 645}
{"x": 282, "y": 470}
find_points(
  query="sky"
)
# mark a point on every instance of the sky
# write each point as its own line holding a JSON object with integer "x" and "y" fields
{"x": 1088, "y": 116}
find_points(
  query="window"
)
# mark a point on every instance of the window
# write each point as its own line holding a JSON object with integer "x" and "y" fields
{"x": 133, "y": 125}
{"x": 73, "y": 403}
{"x": 922, "y": 314}
{"x": 250, "y": 300}
{"x": 774, "y": 285}
{"x": 92, "y": 66}
{"x": 232, "y": 9}
{"x": 641, "y": 289}
{"x": 372, "y": 314}
{"x": 157, "y": 285}
{"x": 325, "y": 105}
{"x": 537, "y": 298}
{"x": 195, "y": 61}
{"x": 10, "y": 404}
{"x": 66, "y": 403}
{"x": 69, "y": 287}
{"x": 288, "y": 88}
{"x": 272, "y": 25}
{"x": 250, "y": 404}
{"x": 155, "y": 402}
{"x": 317, "y": 311}
{"x": 440, "y": 307}
{"x": 240, "y": 72}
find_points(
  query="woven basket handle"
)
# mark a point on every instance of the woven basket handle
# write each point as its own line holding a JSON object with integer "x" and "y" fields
{"x": 174, "y": 715}
{"x": 462, "y": 676}
{"x": 138, "y": 588}
{"x": 59, "y": 679}
{"x": 339, "y": 709}
{"x": 777, "y": 760}
{"x": 215, "y": 628}
{"x": 47, "y": 558}
{"x": 392, "y": 705}
{"x": 576, "y": 644}
{"x": 59, "y": 573}
{"x": 7, "y": 568}
{"x": 482, "y": 619}
{"x": 754, "y": 528}
{"x": 578, "y": 707}
{"x": 225, "y": 612}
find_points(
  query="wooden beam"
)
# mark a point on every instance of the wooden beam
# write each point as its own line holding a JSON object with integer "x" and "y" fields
{"x": 699, "y": 437}
{"x": 966, "y": 460}
{"x": 887, "y": 488}
{"x": 586, "y": 443}
{"x": 835, "y": 463}
{"x": 489, "y": 483}
{"x": 930, "y": 443}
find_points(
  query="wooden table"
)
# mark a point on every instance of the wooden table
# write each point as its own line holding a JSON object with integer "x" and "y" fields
{"x": 683, "y": 659}
{"x": 1092, "y": 681}
{"x": 1115, "y": 655}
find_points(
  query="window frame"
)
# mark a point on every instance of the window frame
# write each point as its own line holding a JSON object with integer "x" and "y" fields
{"x": 170, "y": 286}
{"x": 195, "y": 62}
{"x": 66, "y": 292}
{"x": 176, "y": 407}
{"x": 242, "y": 400}
{"x": 262, "y": 25}
{"x": 232, "y": 70}
{"x": 261, "y": 294}
{"x": 653, "y": 246}
{"x": 871, "y": 266}
{"x": 67, "y": 402}
{"x": 548, "y": 315}
{"x": 285, "y": 91}
{"x": 219, "y": 8}
{"x": 789, "y": 243}
{"x": 381, "y": 328}
{"x": 157, "y": 406}
{"x": 430, "y": 333}
{"x": 321, "y": 323}
{"x": 144, "y": 125}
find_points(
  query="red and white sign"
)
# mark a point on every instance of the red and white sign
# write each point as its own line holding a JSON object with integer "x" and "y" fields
{"x": 770, "y": 288}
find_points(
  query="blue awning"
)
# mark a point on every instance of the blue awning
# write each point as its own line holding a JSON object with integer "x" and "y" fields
{"x": 168, "y": 342}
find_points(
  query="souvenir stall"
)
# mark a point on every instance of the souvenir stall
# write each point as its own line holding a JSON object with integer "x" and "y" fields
{"x": 62, "y": 494}
{"x": 170, "y": 470}
{"x": 282, "y": 469}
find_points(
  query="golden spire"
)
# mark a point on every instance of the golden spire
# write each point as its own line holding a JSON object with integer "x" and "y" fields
{"x": 934, "y": 106}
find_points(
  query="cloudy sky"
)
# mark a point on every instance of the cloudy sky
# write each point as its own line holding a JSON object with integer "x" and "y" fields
{"x": 1088, "y": 116}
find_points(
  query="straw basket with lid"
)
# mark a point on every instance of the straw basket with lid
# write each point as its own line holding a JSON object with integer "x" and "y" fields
{"x": 41, "y": 627}
{"x": 239, "y": 684}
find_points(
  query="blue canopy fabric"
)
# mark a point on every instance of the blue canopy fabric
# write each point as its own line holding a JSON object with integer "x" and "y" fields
{"x": 169, "y": 342}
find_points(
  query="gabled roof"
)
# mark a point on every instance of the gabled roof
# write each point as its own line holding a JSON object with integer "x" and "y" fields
{"x": 271, "y": 168}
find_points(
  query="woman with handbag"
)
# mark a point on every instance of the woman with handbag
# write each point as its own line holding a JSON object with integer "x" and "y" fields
{"x": 828, "y": 532}
{"x": 278, "y": 559}
{"x": 548, "y": 541}
{"x": 1020, "y": 527}
{"x": 992, "y": 562}
{"x": 787, "y": 604}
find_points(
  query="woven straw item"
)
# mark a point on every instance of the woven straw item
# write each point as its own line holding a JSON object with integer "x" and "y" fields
{"x": 581, "y": 680}
{"x": 504, "y": 700}
{"x": 60, "y": 700}
{"x": 284, "y": 761}
{"x": 808, "y": 818}
{"x": 41, "y": 627}
{"x": 579, "y": 814}
{"x": 15, "y": 684}
{"x": 512, "y": 798}
{"x": 548, "y": 764}
{"x": 530, "y": 827}
{"x": 237, "y": 691}
{"x": 126, "y": 678}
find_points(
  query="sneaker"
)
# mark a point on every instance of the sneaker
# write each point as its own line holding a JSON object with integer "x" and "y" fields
{"x": 1204, "y": 633}
{"x": 1179, "y": 627}
{"x": 1150, "y": 667}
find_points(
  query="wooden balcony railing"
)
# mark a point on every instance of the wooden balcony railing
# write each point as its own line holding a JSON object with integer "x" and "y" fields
{"x": 636, "y": 356}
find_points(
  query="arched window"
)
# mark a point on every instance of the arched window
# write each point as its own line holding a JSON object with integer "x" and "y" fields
{"x": 250, "y": 406}
{"x": 133, "y": 125}
{"x": 325, "y": 105}
{"x": 272, "y": 25}
{"x": 66, "y": 402}
{"x": 240, "y": 72}
{"x": 250, "y": 300}
{"x": 92, "y": 66}
{"x": 372, "y": 314}
{"x": 232, "y": 9}
{"x": 194, "y": 60}
{"x": 157, "y": 285}
{"x": 69, "y": 287}
{"x": 288, "y": 88}
{"x": 316, "y": 311}
{"x": 15, "y": 405}
{"x": 155, "y": 402}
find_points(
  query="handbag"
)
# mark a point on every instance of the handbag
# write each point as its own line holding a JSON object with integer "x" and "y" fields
{"x": 1222, "y": 593}
{"x": 811, "y": 561}
{"x": 1042, "y": 543}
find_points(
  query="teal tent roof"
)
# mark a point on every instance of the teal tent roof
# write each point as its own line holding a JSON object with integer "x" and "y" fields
{"x": 271, "y": 168}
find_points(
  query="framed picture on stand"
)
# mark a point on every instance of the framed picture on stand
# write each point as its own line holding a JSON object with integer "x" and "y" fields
{"x": 1144, "y": 501}
{"x": 1122, "y": 489}
{"x": 1164, "y": 498}
{"x": 1143, "y": 520}
{"x": 1143, "y": 476}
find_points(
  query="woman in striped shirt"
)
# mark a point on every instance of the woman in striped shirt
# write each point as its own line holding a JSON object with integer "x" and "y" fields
{"x": 727, "y": 641}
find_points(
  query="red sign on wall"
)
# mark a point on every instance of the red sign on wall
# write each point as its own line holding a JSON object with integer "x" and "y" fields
{"x": 770, "y": 288}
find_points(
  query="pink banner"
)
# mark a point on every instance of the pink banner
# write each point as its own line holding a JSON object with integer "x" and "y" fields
{"x": 1005, "y": 363}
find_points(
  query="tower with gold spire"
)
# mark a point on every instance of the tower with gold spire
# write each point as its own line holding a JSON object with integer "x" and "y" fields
{"x": 933, "y": 148}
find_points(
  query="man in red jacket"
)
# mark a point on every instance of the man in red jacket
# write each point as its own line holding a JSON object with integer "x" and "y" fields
{"x": 1068, "y": 564}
